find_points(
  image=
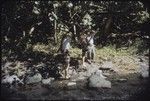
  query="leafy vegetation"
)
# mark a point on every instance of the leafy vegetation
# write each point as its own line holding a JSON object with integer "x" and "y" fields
{"x": 26, "y": 24}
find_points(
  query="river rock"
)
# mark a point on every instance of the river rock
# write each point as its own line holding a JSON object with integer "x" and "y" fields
{"x": 144, "y": 70}
{"x": 71, "y": 85}
{"x": 33, "y": 79}
{"x": 97, "y": 80}
{"x": 11, "y": 79}
{"x": 47, "y": 81}
{"x": 79, "y": 78}
{"x": 122, "y": 80}
{"x": 99, "y": 73}
{"x": 145, "y": 74}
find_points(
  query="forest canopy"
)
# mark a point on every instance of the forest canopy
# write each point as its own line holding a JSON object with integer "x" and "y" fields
{"x": 25, "y": 23}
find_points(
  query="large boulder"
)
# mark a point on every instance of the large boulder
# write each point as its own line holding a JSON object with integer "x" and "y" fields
{"x": 83, "y": 75}
{"x": 33, "y": 79}
{"x": 98, "y": 80}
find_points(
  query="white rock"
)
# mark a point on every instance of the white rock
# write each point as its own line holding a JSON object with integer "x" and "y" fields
{"x": 81, "y": 78}
{"x": 145, "y": 74}
{"x": 71, "y": 84}
{"x": 122, "y": 80}
{"x": 47, "y": 81}
{"x": 144, "y": 70}
{"x": 10, "y": 79}
{"x": 33, "y": 79}
{"x": 98, "y": 81}
{"x": 99, "y": 73}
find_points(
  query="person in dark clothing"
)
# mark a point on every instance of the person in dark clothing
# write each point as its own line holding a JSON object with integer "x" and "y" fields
{"x": 64, "y": 48}
{"x": 87, "y": 46}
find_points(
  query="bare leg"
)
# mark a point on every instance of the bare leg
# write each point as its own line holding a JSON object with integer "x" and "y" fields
{"x": 83, "y": 61}
{"x": 89, "y": 53}
{"x": 67, "y": 72}
{"x": 93, "y": 53}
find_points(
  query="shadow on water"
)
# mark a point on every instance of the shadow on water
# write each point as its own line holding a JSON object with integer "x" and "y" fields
{"x": 143, "y": 94}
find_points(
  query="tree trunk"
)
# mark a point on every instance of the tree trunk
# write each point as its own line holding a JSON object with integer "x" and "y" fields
{"x": 108, "y": 25}
{"x": 75, "y": 33}
{"x": 55, "y": 36}
{"x": 55, "y": 25}
{"x": 106, "y": 31}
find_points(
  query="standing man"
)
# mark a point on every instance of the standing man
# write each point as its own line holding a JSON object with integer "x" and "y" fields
{"x": 83, "y": 46}
{"x": 64, "y": 48}
{"x": 87, "y": 46}
{"x": 90, "y": 46}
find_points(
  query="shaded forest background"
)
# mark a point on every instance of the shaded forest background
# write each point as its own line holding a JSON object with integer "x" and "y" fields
{"x": 27, "y": 23}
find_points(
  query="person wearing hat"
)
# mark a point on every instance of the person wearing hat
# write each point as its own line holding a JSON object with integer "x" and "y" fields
{"x": 87, "y": 46}
{"x": 90, "y": 46}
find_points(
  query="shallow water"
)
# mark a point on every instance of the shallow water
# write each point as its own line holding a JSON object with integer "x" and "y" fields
{"x": 130, "y": 89}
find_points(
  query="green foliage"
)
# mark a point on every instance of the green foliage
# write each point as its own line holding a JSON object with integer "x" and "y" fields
{"x": 142, "y": 16}
{"x": 33, "y": 22}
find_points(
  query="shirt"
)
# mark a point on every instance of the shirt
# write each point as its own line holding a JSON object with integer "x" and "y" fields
{"x": 66, "y": 44}
{"x": 90, "y": 40}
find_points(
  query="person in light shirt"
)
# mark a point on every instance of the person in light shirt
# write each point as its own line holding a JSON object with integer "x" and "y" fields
{"x": 91, "y": 46}
{"x": 66, "y": 44}
{"x": 87, "y": 46}
{"x": 64, "y": 48}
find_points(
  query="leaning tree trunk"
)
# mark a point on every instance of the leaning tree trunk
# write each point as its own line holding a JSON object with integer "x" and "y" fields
{"x": 55, "y": 36}
{"x": 107, "y": 29}
{"x": 75, "y": 33}
{"x": 55, "y": 27}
